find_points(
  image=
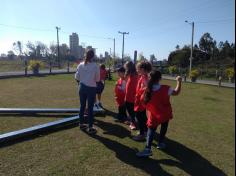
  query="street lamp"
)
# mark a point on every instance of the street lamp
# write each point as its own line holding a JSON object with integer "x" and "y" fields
{"x": 123, "y": 33}
{"x": 191, "y": 56}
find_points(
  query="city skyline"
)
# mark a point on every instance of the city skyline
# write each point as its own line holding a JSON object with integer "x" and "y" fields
{"x": 153, "y": 29}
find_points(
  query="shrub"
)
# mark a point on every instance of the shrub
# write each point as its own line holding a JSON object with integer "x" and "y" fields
{"x": 172, "y": 69}
{"x": 194, "y": 74}
{"x": 230, "y": 73}
{"x": 35, "y": 65}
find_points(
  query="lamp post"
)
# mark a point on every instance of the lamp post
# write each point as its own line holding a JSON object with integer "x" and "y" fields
{"x": 191, "y": 55}
{"x": 123, "y": 33}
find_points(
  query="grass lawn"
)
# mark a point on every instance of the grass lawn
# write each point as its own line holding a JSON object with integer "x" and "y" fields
{"x": 200, "y": 138}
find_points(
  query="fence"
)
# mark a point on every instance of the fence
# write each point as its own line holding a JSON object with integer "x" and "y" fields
{"x": 46, "y": 66}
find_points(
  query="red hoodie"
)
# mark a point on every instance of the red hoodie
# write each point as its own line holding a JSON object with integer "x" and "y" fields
{"x": 120, "y": 92}
{"x": 139, "y": 104}
{"x": 159, "y": 109}
{"x": 131, "y": 88}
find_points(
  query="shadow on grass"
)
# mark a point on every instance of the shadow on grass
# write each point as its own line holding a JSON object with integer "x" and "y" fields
{"x": 112, "y": 129}
{"x": 188, "y": 160}
{"x": 110, "y": 113}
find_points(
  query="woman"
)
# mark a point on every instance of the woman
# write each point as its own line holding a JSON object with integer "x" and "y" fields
{"x": 87, "y": 75}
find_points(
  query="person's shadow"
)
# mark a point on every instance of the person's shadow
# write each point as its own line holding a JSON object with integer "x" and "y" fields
{"x": 188, "y": 160}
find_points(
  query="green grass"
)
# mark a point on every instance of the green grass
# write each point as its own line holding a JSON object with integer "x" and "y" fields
{"x": 200, "y": 138}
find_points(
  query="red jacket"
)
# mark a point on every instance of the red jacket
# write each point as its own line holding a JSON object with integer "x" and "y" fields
{"x": 159, "y": 109}
{"x": 139, "y": 104}
{"x": 119, "y": 93}
{"x": 131, "y": 88}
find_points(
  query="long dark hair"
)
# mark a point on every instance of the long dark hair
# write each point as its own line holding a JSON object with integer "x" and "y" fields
{"x": 147, "y": 66}
{"x": 155, "y": 77}
{"x": 130, "y": 68}
{"x": 89, "y": 55}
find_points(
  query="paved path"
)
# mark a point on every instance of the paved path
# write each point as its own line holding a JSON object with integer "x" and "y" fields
{"x": 207, "y": 82}
{"x": 72, "y": 70}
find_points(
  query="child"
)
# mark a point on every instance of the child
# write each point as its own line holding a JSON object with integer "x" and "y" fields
{"x": 100, "y": 86}
{"x": 120, "y": 95}
{"x": 159, "y": 111}
{"x": 130, "y": 91}
{"x": 143, "y": 68}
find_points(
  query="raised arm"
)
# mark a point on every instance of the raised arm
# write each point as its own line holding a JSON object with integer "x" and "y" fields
{"x": 77, "y": 75}
{"x": 177, "y": 89}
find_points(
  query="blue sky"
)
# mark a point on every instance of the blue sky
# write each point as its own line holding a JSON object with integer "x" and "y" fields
{"x": 155, "y": 26}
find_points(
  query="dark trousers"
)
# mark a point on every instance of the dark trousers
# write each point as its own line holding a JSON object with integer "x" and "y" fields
{"x": 122, "y": 116}
{"x": 151, "y": 133}
{"x": 86, "y": 93}
{"x": 130, "y": 109}
{"x": 142, "y": 121}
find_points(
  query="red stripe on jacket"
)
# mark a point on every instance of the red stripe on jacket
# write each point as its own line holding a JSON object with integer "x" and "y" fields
{"x": 119, "y": 93}
{"x": 159, "y": 109}
{"x": 139, "y": 104}
{"x": 131, "y": 88}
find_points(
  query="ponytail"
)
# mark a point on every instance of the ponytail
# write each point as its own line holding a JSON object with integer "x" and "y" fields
{"x": 88, "y": 57}
{"x": 155, "y": 77}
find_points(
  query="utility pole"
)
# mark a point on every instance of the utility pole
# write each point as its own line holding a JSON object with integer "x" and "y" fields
{"x": 191, "y": 56}
{"x": 123, "y": 33}
{"x": 114, "y": 49}
{"x": 58, "y": 48}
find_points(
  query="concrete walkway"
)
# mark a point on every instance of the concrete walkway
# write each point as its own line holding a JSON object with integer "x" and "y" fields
{"x": 206, "y": 82}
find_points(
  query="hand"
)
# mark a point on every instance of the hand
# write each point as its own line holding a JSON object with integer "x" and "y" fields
{"x": 179, "y": 78}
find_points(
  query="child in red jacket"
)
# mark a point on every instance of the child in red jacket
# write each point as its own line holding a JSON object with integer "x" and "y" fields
{"x": 159, "y": 111}
{"x": 120, "y": 95}
{"x": 132, "y": 80}
{"x": 143, "y": 69}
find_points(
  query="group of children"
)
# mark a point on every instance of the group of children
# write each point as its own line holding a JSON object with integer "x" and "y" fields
{"x": 139, "y": 92}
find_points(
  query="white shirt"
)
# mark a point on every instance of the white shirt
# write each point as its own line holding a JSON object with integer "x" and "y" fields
{"x": 88, "y": 74}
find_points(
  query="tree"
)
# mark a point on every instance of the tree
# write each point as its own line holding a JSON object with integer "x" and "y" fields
{"x": 141, "y": 57}
{"x": 64, "y": 50}
{"x": 10, "y": 54}
{"x": 152, "y": 58}
{"x": 31, "y": 49}
{"x": 177, "y": 47}
{"x": 17, "y": 47}
{"x": 206, "y": 43}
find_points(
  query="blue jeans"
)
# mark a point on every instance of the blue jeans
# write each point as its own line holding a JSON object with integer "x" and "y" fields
{"x": 87, "y": 93}
{"x": 151, "y": 133}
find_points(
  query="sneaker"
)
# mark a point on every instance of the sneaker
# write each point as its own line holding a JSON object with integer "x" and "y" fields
{"x": 145, "y": 153}
{"x": 83, "y": 126}
{"x": 91, "y": 131}
{"x": 140, "y": 137}
{"x": 161, "y": 146}
{"x": 132, "y": 126}
{"x": 100, "y": 105}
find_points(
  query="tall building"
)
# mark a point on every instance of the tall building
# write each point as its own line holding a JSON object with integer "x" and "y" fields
{"x": 74, "y": 44}
{"x": 81, "y": 52}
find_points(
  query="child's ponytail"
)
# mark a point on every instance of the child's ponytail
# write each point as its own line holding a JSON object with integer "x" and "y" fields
{"x": 89, "y": 56}
{"x": 155, "y": 77}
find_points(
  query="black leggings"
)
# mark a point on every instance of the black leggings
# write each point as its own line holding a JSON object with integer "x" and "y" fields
{"x": 130, "y": 109}
{"x": 122, "y": 113}
{"x": 142, "y": 120}
{"x": 151, "y": 132}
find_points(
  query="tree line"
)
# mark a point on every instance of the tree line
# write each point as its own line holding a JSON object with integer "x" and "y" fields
{"x": 206, "y": 53}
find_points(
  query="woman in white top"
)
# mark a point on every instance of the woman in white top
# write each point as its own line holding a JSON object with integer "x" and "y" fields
{"x": 87, "y": 75}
